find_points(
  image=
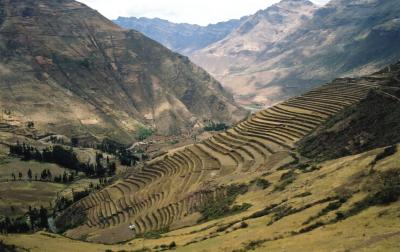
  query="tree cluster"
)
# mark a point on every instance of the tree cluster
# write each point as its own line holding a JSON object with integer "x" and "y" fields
{"x": 125, "y": 156}
{"x": 65, "y": 158}
{"x": 34, "y": 219}
{"x": 212, "y": 126}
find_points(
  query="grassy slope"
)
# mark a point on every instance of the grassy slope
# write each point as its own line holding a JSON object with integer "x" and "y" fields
{"x": 374, "y": 229}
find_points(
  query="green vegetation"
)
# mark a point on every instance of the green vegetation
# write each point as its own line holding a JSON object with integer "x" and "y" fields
{"x": 382, "y": 189}
{"x": 57, "y": 154}
{"x": 155, "y": 234}
{"x": 221, "y": 206}
{"x": 144, "y": 132}
{"x": 30, "y": 124}
{"x": 212, "y": 126}
{"x": 306, "y": 167}
{"x": 280, "y": 211}
{"x": 66, "y": 222}
{"x": 311, "y": 227}
{"x": 345, "y": 113}
{"x": 164, "y": 247}
{"x": 124, "y": 155}
{"x": 34, "y": 219}
{"x": 6, "y": 247}
{"x": 251, "y": 245}
{"x": 261, "y": 183}
{"x": 263, "y": 212}
{"x": 304, "y": 194}
{"x": 334, "y": 205}
{"x": 387, "y": 152}
{"x": 285, "y": 180}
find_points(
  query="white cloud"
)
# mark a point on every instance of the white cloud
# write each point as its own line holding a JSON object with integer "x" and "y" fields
{"x": 190, "y": 11}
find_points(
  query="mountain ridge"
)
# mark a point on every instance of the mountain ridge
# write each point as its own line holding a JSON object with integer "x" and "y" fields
{"x": 180, "y": 37}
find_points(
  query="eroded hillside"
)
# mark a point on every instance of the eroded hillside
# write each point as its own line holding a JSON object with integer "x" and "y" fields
{"x": 71, "y": 71}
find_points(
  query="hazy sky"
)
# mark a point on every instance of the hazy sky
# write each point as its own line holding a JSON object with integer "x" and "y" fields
{"x": 189, "y": 11}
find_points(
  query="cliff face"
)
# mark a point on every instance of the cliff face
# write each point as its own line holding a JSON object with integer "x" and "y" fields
{"x": 71, "y": 71}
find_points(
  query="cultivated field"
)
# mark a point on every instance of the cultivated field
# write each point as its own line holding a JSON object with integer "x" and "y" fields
{"x": 168, "y": 189}
{"x": 279, "y": 229}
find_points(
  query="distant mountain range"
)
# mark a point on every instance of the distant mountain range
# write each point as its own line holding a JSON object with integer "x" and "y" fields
{"x": 68, "y": 70}
{"x": 294, "y": 45}
{"x": 182, "y": 38}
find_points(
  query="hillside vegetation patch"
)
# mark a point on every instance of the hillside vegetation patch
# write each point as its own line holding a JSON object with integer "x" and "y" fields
{"x": 383, "y": 188}
{"x": 387, "y": 152}
{"x": 221, "y": 206}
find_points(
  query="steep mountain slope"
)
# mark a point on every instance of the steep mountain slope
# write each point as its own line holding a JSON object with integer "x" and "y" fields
{"x": 342, "y": 38}
{"x": 71, "y": 71}
{"x": 373, "y": 123}
{"x": 182, "y": 38}
{"x": 259, "y": 32}
{"x": 186, "y": 185}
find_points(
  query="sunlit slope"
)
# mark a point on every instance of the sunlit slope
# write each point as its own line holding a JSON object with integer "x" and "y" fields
{"x": 70, "y": 71}
{"x": 315, "y": 212}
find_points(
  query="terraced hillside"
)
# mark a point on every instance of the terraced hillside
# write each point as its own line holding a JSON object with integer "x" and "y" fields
{"x": 166, "y": 193}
